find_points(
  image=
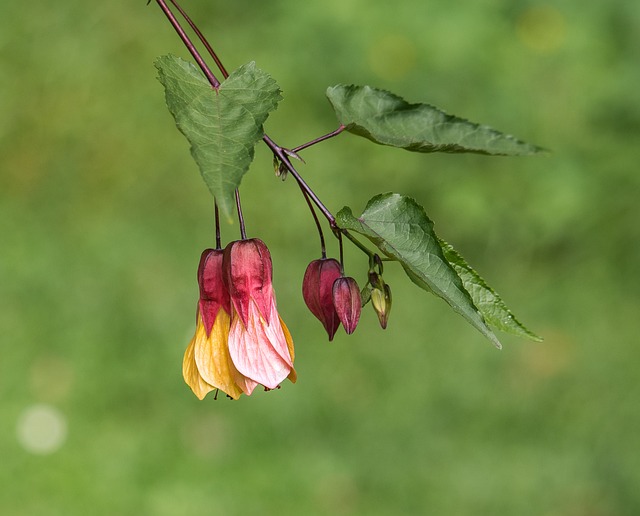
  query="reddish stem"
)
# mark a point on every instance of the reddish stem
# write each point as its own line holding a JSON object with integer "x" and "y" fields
{"x": 275, "y": 148}
{"x": 319, "y": 139}
{"x": 202, "y": 39}
{"x": 187, "y": 42}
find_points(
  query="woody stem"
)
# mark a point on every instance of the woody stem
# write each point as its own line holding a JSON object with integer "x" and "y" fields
{"x": 319, "y": 139}
{"x": 188, "y": 43}
{"x": 243, "y": 232}
{"x": 202, "y": 39}
{"x": 217, "y": 217}
{"x": 282, "y": 156}
{"x": 357, "y": 243}
{"x": 275, "y": 148}
{"x": 323, "y": 247}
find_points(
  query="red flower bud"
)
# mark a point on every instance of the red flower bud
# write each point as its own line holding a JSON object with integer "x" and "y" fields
{"x": 317, "y": 291}
{"x": 248, "y": 274}
{"x": 206, "y": 365}
{"x": 346, "y": 299}
{"x": 213, "y": 293}
{"x": 259, "y": 347}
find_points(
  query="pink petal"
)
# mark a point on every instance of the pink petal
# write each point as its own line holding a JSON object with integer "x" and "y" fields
{"x": 246, "y": 384}
{"x": 259, "y": 350}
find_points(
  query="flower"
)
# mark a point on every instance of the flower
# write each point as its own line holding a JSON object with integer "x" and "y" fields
{"x": 260, "y": 344}
{"x": 235, "y": 346}
{"x": 207, "y": 365}
{"x": 348, "y": 303}
{"x": 317, "y": 291}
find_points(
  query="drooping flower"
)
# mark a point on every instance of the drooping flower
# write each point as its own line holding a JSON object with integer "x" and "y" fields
{"x": 348, "y": 303}
{"x": 207, "y": 364}
{"x": 317, "y": 291}
{"x": 260, "y": 344}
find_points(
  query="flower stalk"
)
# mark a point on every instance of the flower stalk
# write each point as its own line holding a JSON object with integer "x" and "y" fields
{"x": 319, "y": 139}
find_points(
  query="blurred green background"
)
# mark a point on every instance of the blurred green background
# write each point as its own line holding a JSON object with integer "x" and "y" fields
{"x": 103, "y": 217}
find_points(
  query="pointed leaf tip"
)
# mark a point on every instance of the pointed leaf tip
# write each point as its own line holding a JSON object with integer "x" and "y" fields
{"x": 388, "y": 119}
{"x": 491, "y": 306}
{"x": 400, "y": 228}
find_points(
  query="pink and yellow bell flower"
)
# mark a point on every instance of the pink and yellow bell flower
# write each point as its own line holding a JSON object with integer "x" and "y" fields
{"x": 240, "y": 340}
{"x": 207, "y": 365}
{"x": 260, "y": 344}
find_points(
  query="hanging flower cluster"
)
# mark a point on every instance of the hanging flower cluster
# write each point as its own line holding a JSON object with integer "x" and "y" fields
{"x": 240, "y": 340}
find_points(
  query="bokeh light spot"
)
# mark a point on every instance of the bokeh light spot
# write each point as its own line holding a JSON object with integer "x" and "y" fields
{"x": 41, "y": 429}
{"x": 542, "y": 28}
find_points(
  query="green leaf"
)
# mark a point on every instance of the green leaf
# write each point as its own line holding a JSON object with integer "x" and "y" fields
{"x": 222, "y": 126}
{"x": 387, "y": 119}
{"x": 491, "y": 306}
{"x": 365, "y": 295}
{"x": 400, "y": 228}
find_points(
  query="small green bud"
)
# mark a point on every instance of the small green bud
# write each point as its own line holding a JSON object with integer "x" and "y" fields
{"x": 381, "y": 301}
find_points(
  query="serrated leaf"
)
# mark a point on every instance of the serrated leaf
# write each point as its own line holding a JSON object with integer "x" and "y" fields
{"x": 400, "y": 228}
{"x": 387, "y": 119}
{"x": 222, "y": 126}
{"x": 491, "y": 306}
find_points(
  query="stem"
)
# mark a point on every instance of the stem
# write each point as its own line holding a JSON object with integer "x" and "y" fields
{"x": 275, "y": 148}
{"x": 217, "y": 217}
{"x": 319, "y": 139}
{"x": 202, "y": 39}
{"x": 358, "y": 244}
{"x": 243, "y": 232}
{"x": 341, "y": 252}
{"x": 187, "y": 42}
{"x": 282, "y": 156}
{"x": 315, "y": 218}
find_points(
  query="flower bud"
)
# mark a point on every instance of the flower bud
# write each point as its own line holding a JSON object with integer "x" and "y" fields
{"x": 317, "y": 291}
{"x": 375, "y": 280}
{"x": 247, "y": 273}
{"x": 381, "y": 301}
{"x": 206, "y": 364}
{"x": 260, "y": 346}
{"x": 347, "y": 301}
{"x": 213, "y": 293}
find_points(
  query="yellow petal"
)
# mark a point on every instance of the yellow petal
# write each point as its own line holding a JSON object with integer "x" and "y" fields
{"x": 212, "y": 357}
{"x": 190, "y": 371}
{"x": 293, "y": 376}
